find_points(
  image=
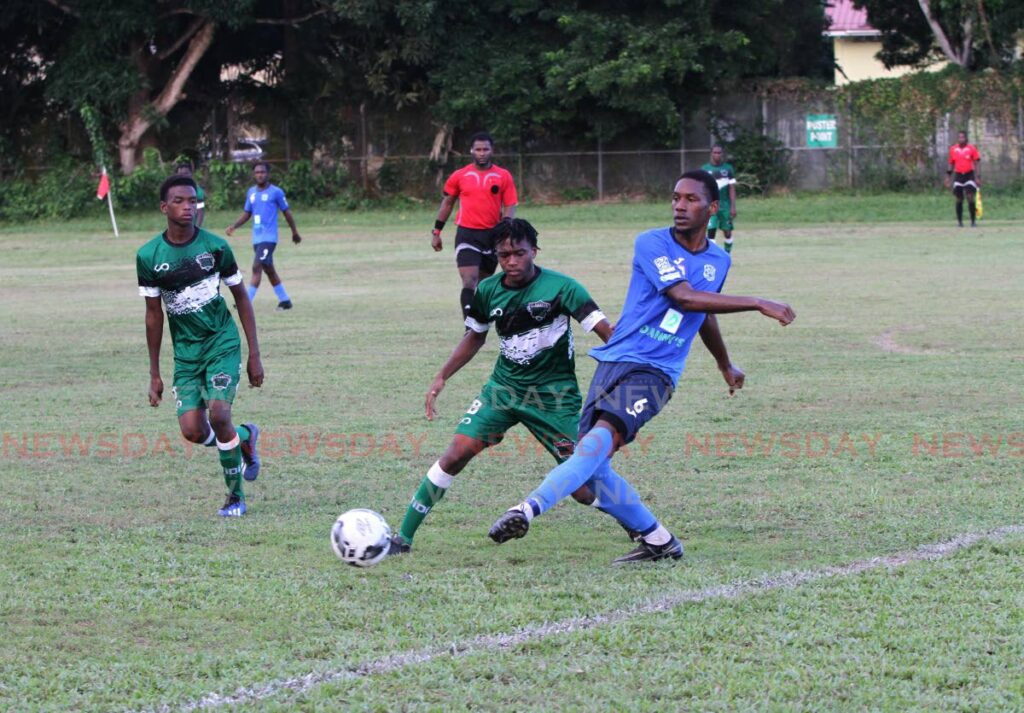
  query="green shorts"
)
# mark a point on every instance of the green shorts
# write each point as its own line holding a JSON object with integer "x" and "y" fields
{"x": 551, "y": 413}
{"x": 721, "y": 220}
{"x": 212, "y": 379}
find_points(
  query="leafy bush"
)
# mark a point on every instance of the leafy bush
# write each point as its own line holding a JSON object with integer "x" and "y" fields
{"x": 65, "y": 190}
{"x": 141, "y": 189}
{"x": 762, "y": 161}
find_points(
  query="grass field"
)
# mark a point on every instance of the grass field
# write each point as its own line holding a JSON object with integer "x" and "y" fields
{"x": 887, "y": 417}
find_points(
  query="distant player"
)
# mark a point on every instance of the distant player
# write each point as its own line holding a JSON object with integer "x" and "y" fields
{"x": 534, "y": 378}
{"x": 963, "y": 167}
{"x": 486, "y": 194}
{"x": 182, "y": 268}
{"x": 725, "y": 177}
{"x": 185, "y": 169}
{"x": 673, "y": 296}
{"x": 262, "y": 202}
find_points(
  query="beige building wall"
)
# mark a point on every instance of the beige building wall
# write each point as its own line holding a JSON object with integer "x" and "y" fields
{"x": 855, "y": 56}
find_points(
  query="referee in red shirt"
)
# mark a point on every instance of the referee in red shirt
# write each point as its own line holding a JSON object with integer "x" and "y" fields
{"x": 486, "y": 195}
{"x": 963, "y": 160}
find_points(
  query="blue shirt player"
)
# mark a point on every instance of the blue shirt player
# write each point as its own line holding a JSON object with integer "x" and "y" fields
{"x": 674, "y": 295}
{"x": 262, "y": 202}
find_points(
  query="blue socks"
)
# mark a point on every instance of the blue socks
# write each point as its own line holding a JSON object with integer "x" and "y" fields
{"x": 616, "y": 497}
{"x": 252, "y": 292}
{"x": 592, "y": 452}
{"x": 279, "y": 290}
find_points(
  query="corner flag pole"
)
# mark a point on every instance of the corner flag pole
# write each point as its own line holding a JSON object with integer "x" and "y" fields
{"x": 103, "y": 191}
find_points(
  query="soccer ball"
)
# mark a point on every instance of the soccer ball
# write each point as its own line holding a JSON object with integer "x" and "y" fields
{"x": 361, "y": 537}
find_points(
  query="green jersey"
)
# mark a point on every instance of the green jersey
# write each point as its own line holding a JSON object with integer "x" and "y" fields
{"x": 532, "y": 322}
{"x": 724, "y": 176}
{"x": 187, "y": 277}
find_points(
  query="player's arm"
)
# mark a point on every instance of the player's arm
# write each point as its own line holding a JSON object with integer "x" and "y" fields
{"x": 296, "y": 238}
{"x": 732, "y": 199}
{"x": 508, "y": 211}
{"x": 977, "y": 173}
{"x": 443, "y": 211}
{"x": 711, "y": 335}
{"x": 242, "y": 220}
{"x": 247, "y": 316}
{"x": 604, "y": 330}
{"x": 691, "y": 300}
{"x": 154, "y": 336}
{"x": 464, "y": 352}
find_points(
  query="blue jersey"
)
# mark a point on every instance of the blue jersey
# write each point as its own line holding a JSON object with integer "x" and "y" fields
{"x": 264, "y": 206}
{"x": 652, "y": 329}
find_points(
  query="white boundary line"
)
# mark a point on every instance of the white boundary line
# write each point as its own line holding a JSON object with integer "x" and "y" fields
{"x": 768, "y": 583}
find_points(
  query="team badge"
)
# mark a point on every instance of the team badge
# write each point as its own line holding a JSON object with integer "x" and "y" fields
{"x": 709, "y": 272}
{"x": 538, "y": 310}
{"x": 205, "y": 261}
{"x": 220, "y": 381}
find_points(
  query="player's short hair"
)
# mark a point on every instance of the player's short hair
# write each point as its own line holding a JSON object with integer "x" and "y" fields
{"x": 717, "y": 146}
{"x": 962, "y": 132}
{"x": 481, "y": 136}
{"x": 183, "y": 164}
{"x": 173, "y": 181}
{"x": 710, "y": 184}
{"x": 265, "y": 165}
{"x": 515, "y": 230}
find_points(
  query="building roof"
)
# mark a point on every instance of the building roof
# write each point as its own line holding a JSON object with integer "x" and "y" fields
{"x": 848, "y": 21}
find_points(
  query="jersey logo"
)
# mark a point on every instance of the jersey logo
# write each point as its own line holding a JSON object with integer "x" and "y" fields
{"x": 205, "y": 261}
{"x": 671, "y": 321}
{"x": 497, "y": 312}
{"x": 162, "y": 267}
{"x": 538, "y": 310}
{"x": 663, "y": 265}
{"x": 263, "y": 197}
{"x": 220, "y": 381}
{"x": 709, "y": 272}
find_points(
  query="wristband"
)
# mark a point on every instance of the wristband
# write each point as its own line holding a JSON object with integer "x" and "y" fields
{"x": 439, "y": 225}
{"x": 949, "y": 172}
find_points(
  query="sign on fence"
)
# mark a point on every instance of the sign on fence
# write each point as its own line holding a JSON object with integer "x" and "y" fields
{"x": 822, "y": 131}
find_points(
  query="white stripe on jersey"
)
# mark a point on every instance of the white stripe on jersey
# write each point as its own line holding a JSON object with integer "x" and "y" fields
{"x": 192, "y": 298}
{"x": 592, "y": 320}
{"x": 477, "y": 326}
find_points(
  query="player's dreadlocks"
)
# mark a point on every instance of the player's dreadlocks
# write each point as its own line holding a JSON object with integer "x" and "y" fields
{"x": 515, "y": 230}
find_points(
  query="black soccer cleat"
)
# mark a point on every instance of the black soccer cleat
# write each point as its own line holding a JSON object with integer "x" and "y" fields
{"x": 283, "y": 305}
{"x": 398, "y": 546}
{"x": 510, "y": 526}
{"x": 250, "y": 456}
{"x": 652, "y": 553}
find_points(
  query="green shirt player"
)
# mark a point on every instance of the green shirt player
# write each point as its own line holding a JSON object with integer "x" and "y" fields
{"x": 725, "y": 177}
{"x": 185, "y": 169}
{"x": 182, "y": 268}
{"x": 534, "y": 378}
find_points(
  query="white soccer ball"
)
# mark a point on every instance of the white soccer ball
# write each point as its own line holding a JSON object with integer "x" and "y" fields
{"x": 361, "y": 537}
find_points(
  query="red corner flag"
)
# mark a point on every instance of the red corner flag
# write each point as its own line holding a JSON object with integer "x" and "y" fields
{"x": 104, "y": 188}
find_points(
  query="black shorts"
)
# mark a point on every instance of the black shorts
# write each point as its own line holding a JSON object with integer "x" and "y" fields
{"x": 473, "y": 248}
{"x": 264, "y": 253}
{"x": 962, "y": 182}
{"x": 626, "y": 394}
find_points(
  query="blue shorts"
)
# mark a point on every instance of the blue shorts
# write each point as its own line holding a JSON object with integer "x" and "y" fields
{"x": 264, "y": 253}
{"x": 626, "y": 394}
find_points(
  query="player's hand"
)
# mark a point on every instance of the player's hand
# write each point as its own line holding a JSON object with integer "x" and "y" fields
{"x": 296, "y": 238}
{"x": 435, "y": 240}
{"x": 156, "y": 390}
{"x": 779, "y": 311}
{"x": 946, "y": 182}
{"x": 229, "y": 231}
{"x": 435, "y": 388}
{"x": 732, "y": 211}
{"x": 734, "y": 377}
{"x": 254, "y": 367}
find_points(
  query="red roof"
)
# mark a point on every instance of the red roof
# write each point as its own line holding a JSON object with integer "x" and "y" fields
{"x": 847, "y": 20}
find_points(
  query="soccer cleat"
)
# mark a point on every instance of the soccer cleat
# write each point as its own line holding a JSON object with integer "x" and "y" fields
{"x": 283, "y": 305}
{"x": 510, "y": 526}
{"x": 234, "y": 506}
{"x": 651, "y": 553}
{"x": 399, "y": 546}
{"x": 250, "y": 456}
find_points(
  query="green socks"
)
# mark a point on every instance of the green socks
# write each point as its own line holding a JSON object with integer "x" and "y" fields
{"x": 432, "y": 488}
{"x": 231, "y": 462}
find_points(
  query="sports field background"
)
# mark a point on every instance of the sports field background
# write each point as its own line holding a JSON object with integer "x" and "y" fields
{"x": 887, "y": 416}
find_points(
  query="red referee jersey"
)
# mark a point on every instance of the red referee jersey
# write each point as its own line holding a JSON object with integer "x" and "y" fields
{"x": 481, "y": 195}
{"x": 962, "y": 158}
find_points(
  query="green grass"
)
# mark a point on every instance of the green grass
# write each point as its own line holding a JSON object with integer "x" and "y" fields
{"x": 121, "y": 589}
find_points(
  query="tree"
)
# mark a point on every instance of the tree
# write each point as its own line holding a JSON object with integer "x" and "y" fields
{"x": 969, "y": 33}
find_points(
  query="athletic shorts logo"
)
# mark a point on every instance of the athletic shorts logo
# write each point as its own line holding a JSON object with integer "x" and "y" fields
{"x": 538, "y": 310}
{"x": 671, "y": 321}
{"x": 709, "y": 272}
{"x": 263, "y": 255}
{"x": 205, "y": 261}
{"x": 638, "y": 407}
{"x": 564, "y": 447}
{"x": 221, "y": 381}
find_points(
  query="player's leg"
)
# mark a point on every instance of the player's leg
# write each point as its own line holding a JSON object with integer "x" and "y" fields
{"x": 257, "y": 272}
{"x": 482, "y": 425}
{"x": 958, "y": 193}
{"x": 474, "y": 258}
{"x": 713, "y": 228}
{"x": 266, "y": 256}
{"x": 972, "y": 206}
{"x": 469, "y": 275}
{"x": 724, "y": 222}
{"x": 221, "y": 384}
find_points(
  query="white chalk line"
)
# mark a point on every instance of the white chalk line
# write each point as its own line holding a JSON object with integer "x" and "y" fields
{"x": 485, "y": 642}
